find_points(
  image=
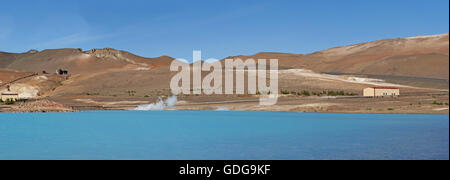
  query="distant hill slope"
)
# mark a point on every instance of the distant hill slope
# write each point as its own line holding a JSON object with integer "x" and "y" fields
{"x": 422, "y": 56}
{"x": 97, "y": 70}
{"x": 114, "y": 72}
{"x": 77, "y": 61}
{"x": 115, "y": 75}
{"x": 8, "y": 58}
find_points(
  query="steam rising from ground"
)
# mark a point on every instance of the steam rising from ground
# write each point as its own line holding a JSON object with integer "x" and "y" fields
{"x": 160, "y": 105}
{"x": 222, "y": 109}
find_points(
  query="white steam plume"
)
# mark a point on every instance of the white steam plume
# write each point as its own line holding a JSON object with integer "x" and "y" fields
{"x": 222, "y": 109}
{"x": 160, "y": 105}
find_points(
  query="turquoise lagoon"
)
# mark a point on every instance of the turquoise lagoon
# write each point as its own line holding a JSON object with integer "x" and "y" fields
{"x": 222, "y": 135}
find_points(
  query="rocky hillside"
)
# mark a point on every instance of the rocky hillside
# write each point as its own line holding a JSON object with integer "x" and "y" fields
{"x": 109, "y": 73}
{"x": 88, "y": 71}
{"x": 422, "y": 56}
{"x": 77, "y": 61}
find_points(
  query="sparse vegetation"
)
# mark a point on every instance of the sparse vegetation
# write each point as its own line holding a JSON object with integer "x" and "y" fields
{"x": 305, "y": 93}
{"x": 438, "y": 103}
{"x": 313, "y": 93}
{"x": 336, "y": 93}
{"x": 131, "y": 92}
{"x": 265, "y": 93}
{"x": 9, "y": 101}
{"x": 390, "y": 109}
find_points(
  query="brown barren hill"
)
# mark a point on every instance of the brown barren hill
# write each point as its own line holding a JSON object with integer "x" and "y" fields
{"x": 111, "y": 73}
{"x": 78, "y": 62}
{"x": 421, "y": 56}
{"x": 7, "y": 76}
{"x": 8, "y": 58}
{"x": 88, "y": 71}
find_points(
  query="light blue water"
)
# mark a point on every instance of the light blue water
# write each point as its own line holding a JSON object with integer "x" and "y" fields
{"x": 214, "y": 135}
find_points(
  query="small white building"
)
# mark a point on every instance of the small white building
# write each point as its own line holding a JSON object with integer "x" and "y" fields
{"x": 381, "y": 91}
{"x": 9, "y": 96}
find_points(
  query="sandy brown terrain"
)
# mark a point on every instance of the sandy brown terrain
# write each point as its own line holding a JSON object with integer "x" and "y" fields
{"x": 39, "y": 106}
{"x": 7, "y": 76}
{"x": 422, "y": 56}
{"x": 405, "y": 104}
{"x": 114, "y": 79}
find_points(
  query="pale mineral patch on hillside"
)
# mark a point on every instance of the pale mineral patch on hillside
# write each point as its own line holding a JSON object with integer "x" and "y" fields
{"x": 428, "y": 36}
{"x": 41, "y": 78}
{"x": 25, "y": 91}
{"x": 329, "y": 77}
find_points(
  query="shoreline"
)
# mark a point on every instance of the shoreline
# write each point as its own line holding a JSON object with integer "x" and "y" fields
{"x": 356, "y": 113}
{"x": 424, "y": 104}
{"x": 208, "y": 110}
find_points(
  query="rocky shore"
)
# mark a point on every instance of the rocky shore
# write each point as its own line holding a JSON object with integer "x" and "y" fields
{"x": 40, "y": 106}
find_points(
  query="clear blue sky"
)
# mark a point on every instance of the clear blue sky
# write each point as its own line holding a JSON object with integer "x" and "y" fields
{"x": 219, "y": 28}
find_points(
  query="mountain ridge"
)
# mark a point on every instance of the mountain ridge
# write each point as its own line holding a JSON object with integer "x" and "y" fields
{"x": 422, "y": 56}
